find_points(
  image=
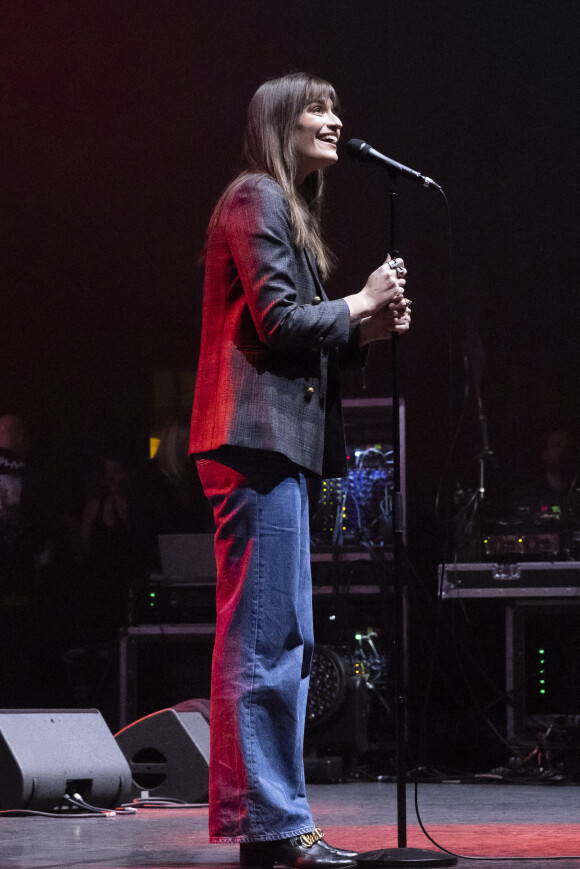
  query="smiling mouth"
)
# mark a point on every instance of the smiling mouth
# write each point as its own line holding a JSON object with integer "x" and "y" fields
{"x": 329, "y": 139}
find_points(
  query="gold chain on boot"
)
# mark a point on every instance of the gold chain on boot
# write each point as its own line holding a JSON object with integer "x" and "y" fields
{"x": 310, "y": 839}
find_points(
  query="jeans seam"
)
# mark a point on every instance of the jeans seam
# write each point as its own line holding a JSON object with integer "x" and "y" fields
{"x": 257, "y": 810}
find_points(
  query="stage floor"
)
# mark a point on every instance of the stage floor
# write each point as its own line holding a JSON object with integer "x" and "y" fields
{"x": 482, "y": 820}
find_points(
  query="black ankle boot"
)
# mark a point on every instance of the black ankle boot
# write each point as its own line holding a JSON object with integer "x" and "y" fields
{"x": 342, "y": 851}
{"x": 308, "y": 851}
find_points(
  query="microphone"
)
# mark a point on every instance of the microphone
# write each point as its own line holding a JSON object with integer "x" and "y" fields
{"x": 359, "y": 150}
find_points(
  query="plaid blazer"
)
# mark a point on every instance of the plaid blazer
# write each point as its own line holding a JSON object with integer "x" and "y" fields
{"x": 271, "y": 340}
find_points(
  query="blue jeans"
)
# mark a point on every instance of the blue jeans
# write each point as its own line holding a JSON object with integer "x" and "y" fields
{"x": 263, "y": 647}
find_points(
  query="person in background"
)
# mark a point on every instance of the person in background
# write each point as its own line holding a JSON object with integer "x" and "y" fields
{"x": 267, "y": 415}
{"x": 17, "y": 574}
{"x": 170, "y": 499}
{"x": 550, "y": 502}
{"x": 107, "y": 554}
{"x": 552, "y": 490}
{"x": 16, "y": 558}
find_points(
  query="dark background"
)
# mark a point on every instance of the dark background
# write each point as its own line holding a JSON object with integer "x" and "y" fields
{"x": 121, "y": 124}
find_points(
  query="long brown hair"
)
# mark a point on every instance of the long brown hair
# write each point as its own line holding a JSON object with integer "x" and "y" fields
{"x": 269, "y": 149}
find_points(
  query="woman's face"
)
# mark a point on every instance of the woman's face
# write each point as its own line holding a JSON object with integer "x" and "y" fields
{"x": 315, "y": 138}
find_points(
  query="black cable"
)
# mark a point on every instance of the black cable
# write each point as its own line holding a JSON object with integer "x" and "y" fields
{"x": 60, "y": 812}
{"x": 73, "y": 803}
{"x": 78, "y": 800}
{"x": 163, "y": 803}
{"x": 18, "y": 813}
{"x": 451, "y": 438}
{"x": 452, "y": 441}
{"x": 472, "y": 856}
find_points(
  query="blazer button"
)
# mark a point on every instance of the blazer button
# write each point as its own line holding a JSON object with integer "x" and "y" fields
{"x": 316, "y": 300}
{"x": 309, "y": 393}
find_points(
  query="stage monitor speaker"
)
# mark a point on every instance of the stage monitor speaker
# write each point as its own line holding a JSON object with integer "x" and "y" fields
{"x": 47, "y": 753}
{"x": 168, "y": 753}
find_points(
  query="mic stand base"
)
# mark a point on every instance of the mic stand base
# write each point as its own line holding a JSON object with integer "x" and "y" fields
{"x": 412, "y": 857}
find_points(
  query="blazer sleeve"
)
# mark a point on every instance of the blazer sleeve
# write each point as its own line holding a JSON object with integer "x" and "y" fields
{"x": 259, "y": 235}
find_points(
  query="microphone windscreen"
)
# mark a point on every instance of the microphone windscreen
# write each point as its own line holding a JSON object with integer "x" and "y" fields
{"x": 354, "y": 148}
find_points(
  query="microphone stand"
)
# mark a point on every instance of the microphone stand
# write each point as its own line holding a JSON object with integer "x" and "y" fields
{"x": 402, "y": 855}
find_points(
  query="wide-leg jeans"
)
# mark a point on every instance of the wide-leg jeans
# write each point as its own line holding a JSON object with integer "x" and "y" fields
{"x": 263, "y": 647}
